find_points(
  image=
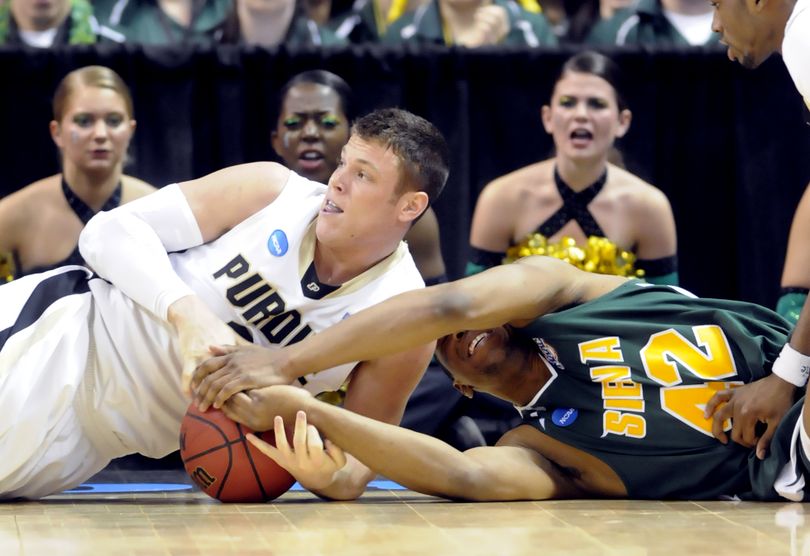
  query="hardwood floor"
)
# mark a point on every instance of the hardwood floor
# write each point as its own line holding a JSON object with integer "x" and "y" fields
{"x": 386, "y": 520}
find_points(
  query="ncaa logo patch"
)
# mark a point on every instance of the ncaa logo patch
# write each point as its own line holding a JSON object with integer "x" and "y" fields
{"x": 564, "y": 417}
{"x": 277, "y": 243}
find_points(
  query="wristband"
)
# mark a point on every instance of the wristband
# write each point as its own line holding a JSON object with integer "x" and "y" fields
{"x": 792, "y": 366}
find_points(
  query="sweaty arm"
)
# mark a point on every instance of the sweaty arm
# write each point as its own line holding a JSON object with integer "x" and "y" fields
{"x": 129, "y": 245}
{"x": 514, "y": 293}
{"x": 418, "y": 461}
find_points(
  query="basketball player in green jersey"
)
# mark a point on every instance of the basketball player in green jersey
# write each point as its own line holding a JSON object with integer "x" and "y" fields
{"x": 610, "y": 376}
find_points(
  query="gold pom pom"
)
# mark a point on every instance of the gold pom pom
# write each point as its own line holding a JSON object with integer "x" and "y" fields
{"x": 6, "y": 267}
{"x": 599, "y": 255}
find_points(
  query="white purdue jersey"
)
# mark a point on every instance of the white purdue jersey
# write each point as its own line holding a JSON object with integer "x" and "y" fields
{"x": 82, "y": 399}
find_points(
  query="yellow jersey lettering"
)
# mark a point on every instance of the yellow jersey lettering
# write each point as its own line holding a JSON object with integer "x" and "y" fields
{"x": 624, "y": 424}
{"x": 601, "y": 349}
{"x": 710, "y": 359}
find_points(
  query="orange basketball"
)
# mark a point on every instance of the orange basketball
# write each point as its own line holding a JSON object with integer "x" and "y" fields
{"x": 224, "y": 464}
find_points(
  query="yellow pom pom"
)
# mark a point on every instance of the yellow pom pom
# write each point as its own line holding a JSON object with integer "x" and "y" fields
{"x": 599, "y": 254}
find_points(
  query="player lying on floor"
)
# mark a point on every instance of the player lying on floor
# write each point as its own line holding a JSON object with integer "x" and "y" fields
{"x": 610, "y": 375}
{"x": 94, "y": 366}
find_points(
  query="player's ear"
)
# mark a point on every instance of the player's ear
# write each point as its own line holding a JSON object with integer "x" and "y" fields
{"x": 414, "y": 203}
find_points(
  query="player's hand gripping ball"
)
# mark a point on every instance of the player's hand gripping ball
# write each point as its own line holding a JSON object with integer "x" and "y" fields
{"x": 224, "y": 464}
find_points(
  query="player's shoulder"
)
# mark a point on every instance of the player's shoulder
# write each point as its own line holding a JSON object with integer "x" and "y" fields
{"x": 297, "y": 186}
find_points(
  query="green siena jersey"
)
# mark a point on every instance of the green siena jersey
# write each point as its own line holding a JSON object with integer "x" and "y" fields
{"x": 631, "y": 374}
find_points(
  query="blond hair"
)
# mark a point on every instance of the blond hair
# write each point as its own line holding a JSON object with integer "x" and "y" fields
{"x": 89, "y": 76}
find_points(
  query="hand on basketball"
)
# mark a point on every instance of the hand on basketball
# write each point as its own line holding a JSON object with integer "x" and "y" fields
{"x": 764, "y": 401}
{"x": 311, "y": 460}
{"x": 234, "y": 369}
{"x": 197, "y": 328}
{"x": 256, "y": 408}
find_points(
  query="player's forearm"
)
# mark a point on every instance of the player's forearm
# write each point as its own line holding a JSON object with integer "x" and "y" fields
{"x": 408, "y": 320}
{"x": 414, "y": 460}
{"x": 129, "y": 246}
{"x": 499, "y": 295}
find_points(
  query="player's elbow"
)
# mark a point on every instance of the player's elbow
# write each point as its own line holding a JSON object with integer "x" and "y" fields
{"x": 453, "y": 304}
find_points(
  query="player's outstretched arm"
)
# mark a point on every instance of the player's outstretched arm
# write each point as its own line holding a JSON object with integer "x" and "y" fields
{"x": 417, "y": 461}
{"x": 515, "y": 293}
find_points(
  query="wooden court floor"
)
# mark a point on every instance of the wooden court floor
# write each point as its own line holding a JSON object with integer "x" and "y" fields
{"x": 392, "y": 521}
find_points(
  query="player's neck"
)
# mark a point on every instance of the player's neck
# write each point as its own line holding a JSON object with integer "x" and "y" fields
{"x": 94, "y": 189}
{"x": 337, "y": 265}
{"x": 580, "y": 175}
{"x": 532, "y": 382}
{"x": 523, "y": 375}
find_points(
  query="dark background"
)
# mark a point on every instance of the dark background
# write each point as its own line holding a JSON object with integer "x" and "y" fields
{"x": 730, "y": 147}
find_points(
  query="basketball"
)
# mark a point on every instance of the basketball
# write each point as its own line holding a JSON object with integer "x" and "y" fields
{"x": 222, "y": 462}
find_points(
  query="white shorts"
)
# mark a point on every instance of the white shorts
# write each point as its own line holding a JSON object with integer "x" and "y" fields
{"x": 43, "y": 353}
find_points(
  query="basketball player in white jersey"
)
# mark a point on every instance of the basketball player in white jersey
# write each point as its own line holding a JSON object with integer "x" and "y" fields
{"x": 753, "y": 31}
{"x": 90, "y": 365}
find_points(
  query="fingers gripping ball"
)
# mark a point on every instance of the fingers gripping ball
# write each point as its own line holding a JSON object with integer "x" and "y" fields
{"x": 224, "y": 464}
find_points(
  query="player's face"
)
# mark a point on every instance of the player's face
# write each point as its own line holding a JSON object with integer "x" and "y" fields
{"x": 480, "y": 360}
{"x": 311, "y": 130}
{"x": 743, "y": 31}
{"x": 95, "y": 130}
{"x": 583, "y": 116}
{"x": 361, "y": 205}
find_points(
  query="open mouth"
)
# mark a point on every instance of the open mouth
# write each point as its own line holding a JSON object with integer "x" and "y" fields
{"x": 311, "y": 159}
{"x": 581, "y": 137}
{"x": 473, "y": 345}
{"x": 331, "y": 207}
